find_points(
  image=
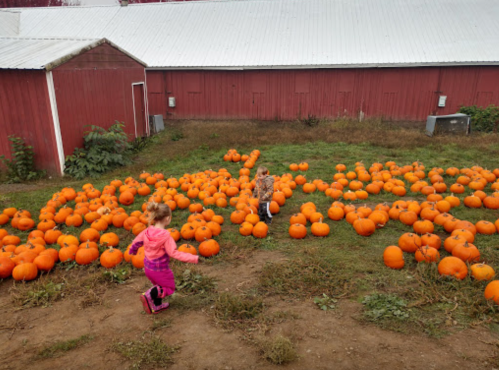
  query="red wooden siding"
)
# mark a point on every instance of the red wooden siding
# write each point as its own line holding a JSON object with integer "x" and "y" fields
{"x": 25, "y": 112}
{"x": 392, "y": 93}
{"x": 95, "y": 88}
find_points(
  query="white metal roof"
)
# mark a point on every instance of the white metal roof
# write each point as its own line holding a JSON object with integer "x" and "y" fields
{"x": 9, "y": 23}
{"x": 237, "y": 34}
{"x": 43, "y": 53}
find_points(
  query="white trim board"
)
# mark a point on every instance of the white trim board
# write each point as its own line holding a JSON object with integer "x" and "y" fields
{"x": 55, "y": 119}
{"x": 146, "y": 108}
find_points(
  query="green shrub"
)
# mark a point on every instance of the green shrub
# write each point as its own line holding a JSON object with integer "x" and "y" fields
{"x": 482, "y": 119}
{"x": 22, "y": 165}
{"x": 103, "y": 150}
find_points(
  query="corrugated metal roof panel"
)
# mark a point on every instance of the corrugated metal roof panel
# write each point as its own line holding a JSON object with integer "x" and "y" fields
{"x": 44, "y": 53}
{"x": 9, "y": 23}
{"x": 285, "y": 33}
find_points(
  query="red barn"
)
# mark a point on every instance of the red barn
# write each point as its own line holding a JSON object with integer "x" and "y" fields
{"x": 287, "y": 59}
{"x": 51, "y": 88}
{"x": 251, "y": 59}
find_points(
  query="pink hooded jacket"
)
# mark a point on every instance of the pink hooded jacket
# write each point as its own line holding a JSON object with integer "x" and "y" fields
{"x": 158, "y": 243}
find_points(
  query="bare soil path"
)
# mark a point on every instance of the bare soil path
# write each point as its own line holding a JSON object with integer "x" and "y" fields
{"x": 324, "y": 340}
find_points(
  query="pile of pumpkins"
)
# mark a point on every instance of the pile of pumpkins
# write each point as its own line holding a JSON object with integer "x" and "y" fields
{"x": 95, "y": 211}
{"x": 249, "y": 160}
{"x": 422, "y": 216}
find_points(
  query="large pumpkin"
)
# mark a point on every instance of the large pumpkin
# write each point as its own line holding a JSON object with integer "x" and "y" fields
{"x": 492, "y": 291}
{"x": 481, "y": 271}
{"x": 467, "y": 252}
{"x": 25, "y": 271}
{"x": 409, "y": 242}
{"x": 320, "y": 228}
{"x": 427, "y": 254}
{"x": 111, "y": 258}
{"x": 89, "y": 235}
{"x": 454, "y": 267}
{"x": 393, "y": 257}
{"x": 364, "y": 226}
{"x": 187, "y": 248}
{"x": 138, "y": 259}
{"x": 246, "y": 228}
{"x": 86, "y": 255}
{"x": 260, "y": 230}
{"x": 109, "y": 240}
{"x": 203, "y": 233}
{"x": 6, "y": 267}
{"x": 209, "y": 248}
{"x": 126, "y": 198}
{"x": 44, "y": 262}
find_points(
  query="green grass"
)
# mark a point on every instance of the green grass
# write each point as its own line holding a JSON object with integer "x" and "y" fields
{"x": 343, "y": 265}
{"x": 237, "y": 311}
{"x": 60, "y": 348}
{"x": 152, "y": 353}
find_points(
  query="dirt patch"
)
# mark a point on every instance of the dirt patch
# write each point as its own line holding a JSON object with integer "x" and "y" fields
{"x": 337, "y": 337}
{"x": 241, "y": 276}
{"x": 322, "y": 339}
{"x": 16, "y": 188}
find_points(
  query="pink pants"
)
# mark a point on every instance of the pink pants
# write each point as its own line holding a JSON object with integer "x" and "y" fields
{"x": 164, "y": 279}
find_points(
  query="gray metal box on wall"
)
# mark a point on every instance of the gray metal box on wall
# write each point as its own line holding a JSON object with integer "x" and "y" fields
{"x": 156, "y": 123}
{"x": 453, "y": 123}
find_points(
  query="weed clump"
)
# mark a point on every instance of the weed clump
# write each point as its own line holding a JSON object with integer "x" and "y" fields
{"x": 152, "y": 353}
{"x": 60, "y": 348}
{"x": 40, "y": 293}
{"x": 384, "y": 306}
{"x": 278, "y": 350}
{"x": 232, "y": 310}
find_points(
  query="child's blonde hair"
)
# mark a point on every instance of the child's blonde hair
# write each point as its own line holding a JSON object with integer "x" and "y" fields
{"x": 158, "y": 212}
{"x": 262, "y": 171}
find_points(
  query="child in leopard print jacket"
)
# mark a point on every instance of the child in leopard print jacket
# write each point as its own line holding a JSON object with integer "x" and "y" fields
{"x": 264, "y": 190}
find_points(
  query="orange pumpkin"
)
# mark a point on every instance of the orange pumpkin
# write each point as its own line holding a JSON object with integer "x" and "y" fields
{"x": 6, "y": 267}
{"x": 246, "y": 228}
{"x": 320, "y": 229}
{"x": 481, "y": 271}
{"x": 260, "y": 230}
{"x": 427, "y": 254}
{"x": 466, "y": 251}
{"x": 364, "y": 226}
{"x": 393, "y": 257}
{"x": 44, "y": 262}
{"x": 68, "y": 252}
{"x": 431, "y": 240}
{"x": 409, "y": 242}
{"x": 25, "y": 272}
{"x": 109, "y": 240}
{"x": 492, "y": 291}
{"x": 187, "y": 248}
{"x": 454, "y": 267}
{"x": 111, "y": 258}
{"x": 209, "y": 248}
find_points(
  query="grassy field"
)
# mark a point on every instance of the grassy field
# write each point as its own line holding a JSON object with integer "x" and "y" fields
{"x": 343, "y": 267}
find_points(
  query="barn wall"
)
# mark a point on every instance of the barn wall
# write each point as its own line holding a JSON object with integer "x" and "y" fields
{"x": 95, "y": 88}
{"x": 25, "y": 112}
{"x": 392, "y": 93}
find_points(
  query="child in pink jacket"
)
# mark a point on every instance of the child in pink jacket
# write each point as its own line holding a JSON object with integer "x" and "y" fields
{"x": 159, "y": 246}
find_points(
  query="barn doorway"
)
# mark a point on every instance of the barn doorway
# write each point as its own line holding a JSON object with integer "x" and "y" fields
{"x": 139, "y": 109}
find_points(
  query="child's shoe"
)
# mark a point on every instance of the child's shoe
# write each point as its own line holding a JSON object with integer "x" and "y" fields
{"x": 161, "y": 307}
{"x": 146, "y": 303}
